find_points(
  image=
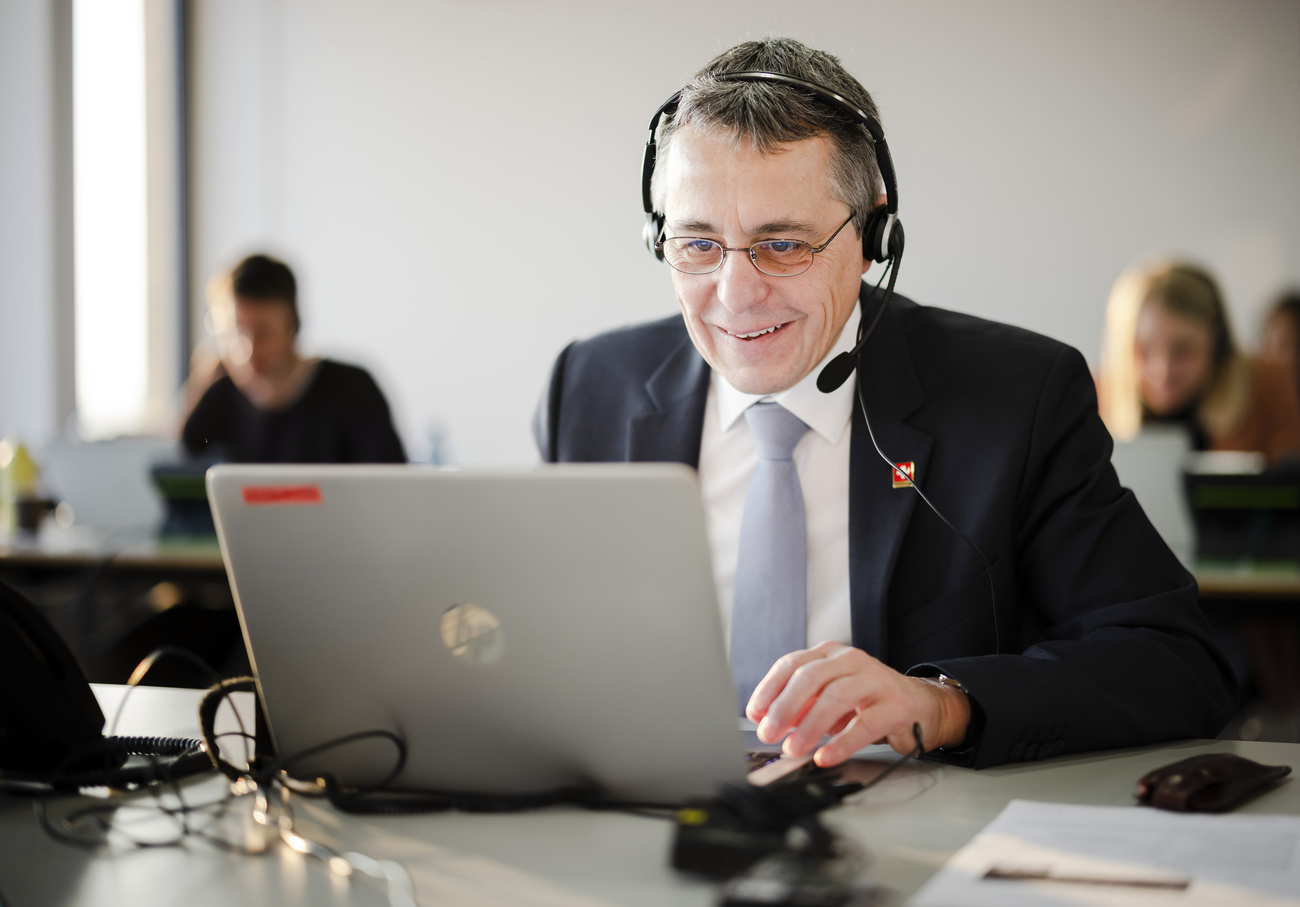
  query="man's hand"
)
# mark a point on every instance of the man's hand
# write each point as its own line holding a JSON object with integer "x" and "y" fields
{"x": 833, "y": 689}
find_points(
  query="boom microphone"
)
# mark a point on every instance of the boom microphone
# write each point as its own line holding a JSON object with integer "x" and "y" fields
{"x": 837, "y": 371}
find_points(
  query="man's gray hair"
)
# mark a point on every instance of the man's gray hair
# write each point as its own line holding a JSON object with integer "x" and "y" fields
{"x": 771, "y": 114}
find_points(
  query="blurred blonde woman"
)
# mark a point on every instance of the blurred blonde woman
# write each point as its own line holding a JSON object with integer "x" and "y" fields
{"x": 1168, "y": 356}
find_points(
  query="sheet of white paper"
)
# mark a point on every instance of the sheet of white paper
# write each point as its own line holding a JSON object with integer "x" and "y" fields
{"x": 1120, "y": 855}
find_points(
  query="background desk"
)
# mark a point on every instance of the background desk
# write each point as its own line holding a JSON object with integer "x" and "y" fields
{"x": 80, "y": 546}
{"x": 106, "y": 594}
{"x": 1257, "y": 584}
{"x": 1256, "y": 611}
{"x": 910, "y": 824}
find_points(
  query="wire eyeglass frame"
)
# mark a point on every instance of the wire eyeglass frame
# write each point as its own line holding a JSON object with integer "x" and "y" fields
{"x": 754, "y": 251}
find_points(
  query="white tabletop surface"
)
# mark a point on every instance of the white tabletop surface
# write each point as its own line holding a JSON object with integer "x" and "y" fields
{"x": 910, "y": 825}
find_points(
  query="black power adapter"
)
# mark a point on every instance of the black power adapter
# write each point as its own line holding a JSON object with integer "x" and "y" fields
{"x": 721, "y": 837}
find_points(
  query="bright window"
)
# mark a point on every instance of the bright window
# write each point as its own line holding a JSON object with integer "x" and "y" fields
{"x": 109, "y": 185}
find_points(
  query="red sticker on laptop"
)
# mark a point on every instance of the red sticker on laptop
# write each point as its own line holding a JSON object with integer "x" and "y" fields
{"x": 280, "y": 495}
{"x": 903, "y": 474}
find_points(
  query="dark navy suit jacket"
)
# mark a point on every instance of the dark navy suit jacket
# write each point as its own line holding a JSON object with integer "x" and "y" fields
{"x": 1098, "y": 640}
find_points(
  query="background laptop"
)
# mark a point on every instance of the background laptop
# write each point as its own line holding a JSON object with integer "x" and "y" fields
{"x": 1243, "y": 510}
{"x": 520, "y": 630}
{"x": 1151, "y": 464}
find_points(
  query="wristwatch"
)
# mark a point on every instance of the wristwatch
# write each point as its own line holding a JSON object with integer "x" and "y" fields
{"x": 954, "y": 683}
{"x": 976, "y": 725}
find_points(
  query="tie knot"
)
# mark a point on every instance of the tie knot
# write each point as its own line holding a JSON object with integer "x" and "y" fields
{"x": 776, "y": 430}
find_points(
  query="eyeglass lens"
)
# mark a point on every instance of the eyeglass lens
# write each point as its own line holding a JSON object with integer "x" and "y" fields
{"x": 777, "y": 257}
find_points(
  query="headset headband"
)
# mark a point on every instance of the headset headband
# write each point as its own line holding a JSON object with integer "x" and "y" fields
{"x": 875, "y": 241}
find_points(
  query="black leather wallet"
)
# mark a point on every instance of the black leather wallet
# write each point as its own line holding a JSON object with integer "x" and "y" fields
{"x": 1213, "y": 783}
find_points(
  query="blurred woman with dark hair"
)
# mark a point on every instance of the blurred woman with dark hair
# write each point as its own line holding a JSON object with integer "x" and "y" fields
{"x": 1282, "y": 335}
{"x": 1168, "y": 356}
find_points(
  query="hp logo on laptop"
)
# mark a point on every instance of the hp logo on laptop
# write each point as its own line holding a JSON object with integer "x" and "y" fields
{"x": 473, "y": 634}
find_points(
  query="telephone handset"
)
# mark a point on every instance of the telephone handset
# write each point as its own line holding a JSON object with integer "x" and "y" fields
{"x": 48, "y": 712}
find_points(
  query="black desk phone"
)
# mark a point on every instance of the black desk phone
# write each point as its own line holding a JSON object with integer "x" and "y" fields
{"x": 47, "y": 710}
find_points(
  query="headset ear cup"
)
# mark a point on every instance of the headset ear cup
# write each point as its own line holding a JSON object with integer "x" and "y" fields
{"x": 877, "y": 235}
{"x": 868, "y": 229}
{"x": 650, "y": 233}
{"x": 1222, "y": 346}
{"x": 895, "y": 240}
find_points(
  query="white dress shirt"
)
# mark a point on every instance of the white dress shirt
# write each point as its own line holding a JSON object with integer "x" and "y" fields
{"x": 727, "y": 460}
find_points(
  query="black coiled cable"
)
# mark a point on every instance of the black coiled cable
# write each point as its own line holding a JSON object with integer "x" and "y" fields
{"x": 156, "y": 746}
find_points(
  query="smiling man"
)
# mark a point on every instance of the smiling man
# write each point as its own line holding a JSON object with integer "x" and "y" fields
{"x": 853, "y": 614}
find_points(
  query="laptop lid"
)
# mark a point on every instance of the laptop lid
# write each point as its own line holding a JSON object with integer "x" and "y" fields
{"x": 520, "y": 630}
{"x": 1151, "y": 465}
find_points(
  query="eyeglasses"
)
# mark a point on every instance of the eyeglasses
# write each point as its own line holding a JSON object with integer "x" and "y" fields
{"x": 774, "y": 257}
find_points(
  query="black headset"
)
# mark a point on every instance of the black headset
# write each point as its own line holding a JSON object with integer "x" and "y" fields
{"x": 1223, "y": 345}
{"x": 882, "y": 234}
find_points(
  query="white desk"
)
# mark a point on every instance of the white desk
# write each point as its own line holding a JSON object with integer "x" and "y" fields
{"x": 910, "y": 824}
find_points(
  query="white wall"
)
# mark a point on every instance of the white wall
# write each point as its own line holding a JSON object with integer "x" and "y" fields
{"x": 417, "y": 160}
{"x": 35, "y": 338}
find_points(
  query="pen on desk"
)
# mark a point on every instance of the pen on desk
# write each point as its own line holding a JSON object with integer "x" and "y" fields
{"x": 1043, "y": 875}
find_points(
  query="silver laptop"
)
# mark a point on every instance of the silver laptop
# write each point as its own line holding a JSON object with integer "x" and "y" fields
{"x": 520, "y": 630}
{"x": 1152, "y": 464}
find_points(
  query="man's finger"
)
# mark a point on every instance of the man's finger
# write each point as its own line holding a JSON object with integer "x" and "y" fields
{"x": 805, "y": 686}
{"x": 836, "y": 701}
{"x": 842, "y": 723}
{"x": 778, "y": 676}
{"x": 859, "y": 732}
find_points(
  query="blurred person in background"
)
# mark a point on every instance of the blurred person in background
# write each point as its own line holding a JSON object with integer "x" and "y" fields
{"x": 1282, "y": 335}
{"x": 1168, "y": 357}
{"x": 263, "y": 402}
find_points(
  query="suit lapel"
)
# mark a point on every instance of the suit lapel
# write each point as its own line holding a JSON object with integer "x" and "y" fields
{"x": 677, "y": 391}
{"x": 878, "y": 512}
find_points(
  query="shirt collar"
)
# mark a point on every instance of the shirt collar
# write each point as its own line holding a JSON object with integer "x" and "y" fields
{"x": 826, "y": 414}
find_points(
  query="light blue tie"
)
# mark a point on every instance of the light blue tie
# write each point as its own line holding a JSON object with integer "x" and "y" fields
{"x": 769, "y": 613}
